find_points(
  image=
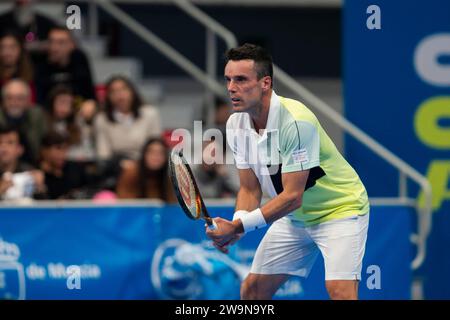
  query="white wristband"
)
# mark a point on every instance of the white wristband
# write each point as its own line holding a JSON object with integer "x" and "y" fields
{"x": 238, "y": 214}
{"x": 253, "y": 220}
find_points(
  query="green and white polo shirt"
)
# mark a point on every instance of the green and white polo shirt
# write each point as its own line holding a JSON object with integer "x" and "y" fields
{"x": 293, "y": 141}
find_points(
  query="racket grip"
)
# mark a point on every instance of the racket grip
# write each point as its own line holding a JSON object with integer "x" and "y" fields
{"x": 211, "y": 224}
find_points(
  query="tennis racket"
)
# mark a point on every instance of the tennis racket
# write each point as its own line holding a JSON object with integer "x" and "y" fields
{"x": 186, "y": 189}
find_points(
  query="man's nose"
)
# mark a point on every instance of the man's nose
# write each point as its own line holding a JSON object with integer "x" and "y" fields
{"x": 231, "y": 86}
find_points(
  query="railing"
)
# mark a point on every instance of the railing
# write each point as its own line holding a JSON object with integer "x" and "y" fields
{"x": 208, "y": 79}
{"x": 156, "y": 42}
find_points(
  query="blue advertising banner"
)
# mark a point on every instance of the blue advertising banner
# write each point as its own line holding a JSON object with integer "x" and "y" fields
{"x": 397, "y": 89}
{"x": 146, "y": 252}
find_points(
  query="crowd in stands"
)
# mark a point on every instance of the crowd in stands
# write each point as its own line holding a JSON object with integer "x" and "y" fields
{"x": 58, "y": 141}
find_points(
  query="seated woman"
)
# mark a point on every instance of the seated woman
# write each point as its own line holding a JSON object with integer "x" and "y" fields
{"x": 15, "y": 62}
{"x": 65, "y": 118}
{"x": 125, "y": 125}
{"x": 147, "y": 178}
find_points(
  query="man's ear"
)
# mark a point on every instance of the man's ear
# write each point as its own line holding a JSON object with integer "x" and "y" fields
{"x": 267, "y": 83}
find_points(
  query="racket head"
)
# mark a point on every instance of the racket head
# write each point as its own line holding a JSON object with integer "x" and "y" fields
{"x": 185, "y": 187}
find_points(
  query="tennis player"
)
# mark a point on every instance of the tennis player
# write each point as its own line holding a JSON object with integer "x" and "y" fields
{"x": 318, "y": 203}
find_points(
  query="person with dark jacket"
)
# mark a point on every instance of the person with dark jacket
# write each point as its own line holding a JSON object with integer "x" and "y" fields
{"x": 64, "y": 64}
{"x": 18, "y": 112}
{"x": 63, "y": 179}
{"x": 32, "y": 26}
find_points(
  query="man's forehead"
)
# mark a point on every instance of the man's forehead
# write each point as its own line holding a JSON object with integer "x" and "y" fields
{"x": 235, "y": 67}
{"x": 15, "y": 88}
{"x": 9, "y": 136}
{"x": 59, "y": 34}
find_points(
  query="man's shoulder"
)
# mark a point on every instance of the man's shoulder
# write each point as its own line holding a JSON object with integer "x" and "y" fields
{"x": 294, "y": 111}
{"x": 78, "y": 57}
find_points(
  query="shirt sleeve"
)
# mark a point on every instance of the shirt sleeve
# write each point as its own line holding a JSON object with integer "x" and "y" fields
{"x": 299, "y": 147}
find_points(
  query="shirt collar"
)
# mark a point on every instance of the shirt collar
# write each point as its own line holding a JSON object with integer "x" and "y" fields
{"x": 272, "y": 118}
{"x": 274, "y": 114}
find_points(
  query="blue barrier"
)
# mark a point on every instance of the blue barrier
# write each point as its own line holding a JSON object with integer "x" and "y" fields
{"x": 151, "y": 252}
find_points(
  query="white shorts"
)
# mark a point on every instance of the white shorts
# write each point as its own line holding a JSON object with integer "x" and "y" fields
{"x": 290, "y": 249}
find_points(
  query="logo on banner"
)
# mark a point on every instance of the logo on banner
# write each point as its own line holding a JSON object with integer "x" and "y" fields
{"x": 431, "y": 115}
{"x": 184, "y": 270}
{"x": 12, "y": 276}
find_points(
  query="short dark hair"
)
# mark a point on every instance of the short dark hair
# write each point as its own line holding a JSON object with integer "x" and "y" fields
{"x": 54, "y": 138}
{"x": 136, "y": 102}
{"x": 57, "y": 90}
{"x": 262, "y": 58}
{"x": 59, "y": 28}
{"x": 24, "y": 65}
{"x": 7, "y": 129}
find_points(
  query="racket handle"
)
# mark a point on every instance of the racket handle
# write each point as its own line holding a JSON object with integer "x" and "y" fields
{"x": 211, "y": 224}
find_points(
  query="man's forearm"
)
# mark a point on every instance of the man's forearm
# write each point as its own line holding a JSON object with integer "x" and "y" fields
{"x": 248, "y": 199}
{"x": 280, "y": 206}
{"x": 275, "y": 209}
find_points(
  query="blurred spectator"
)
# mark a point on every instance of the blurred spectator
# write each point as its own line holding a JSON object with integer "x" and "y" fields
{"x": 18, "y": 180}
{"x": 64, "y": 64}
{"x": 122, "y": 129}
{"x": 32, "y": 27}
{"x": 63, "y": 179}
{"x": 15, "y": 62}
{"x": 148, "y": 178}
{"x": 75, "y": 125}
{"x": 17, "y": 111}
{"x": 215, "y": 179}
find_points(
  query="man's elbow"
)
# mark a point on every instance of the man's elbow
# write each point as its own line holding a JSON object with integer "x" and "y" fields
{"x": 295, "y": 199}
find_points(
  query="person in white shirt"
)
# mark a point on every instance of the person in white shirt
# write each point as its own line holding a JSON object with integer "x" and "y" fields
{"x": 126, "y": 124}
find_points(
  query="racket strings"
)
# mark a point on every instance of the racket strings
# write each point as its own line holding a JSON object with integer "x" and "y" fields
{"x": 187, "y": 189}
